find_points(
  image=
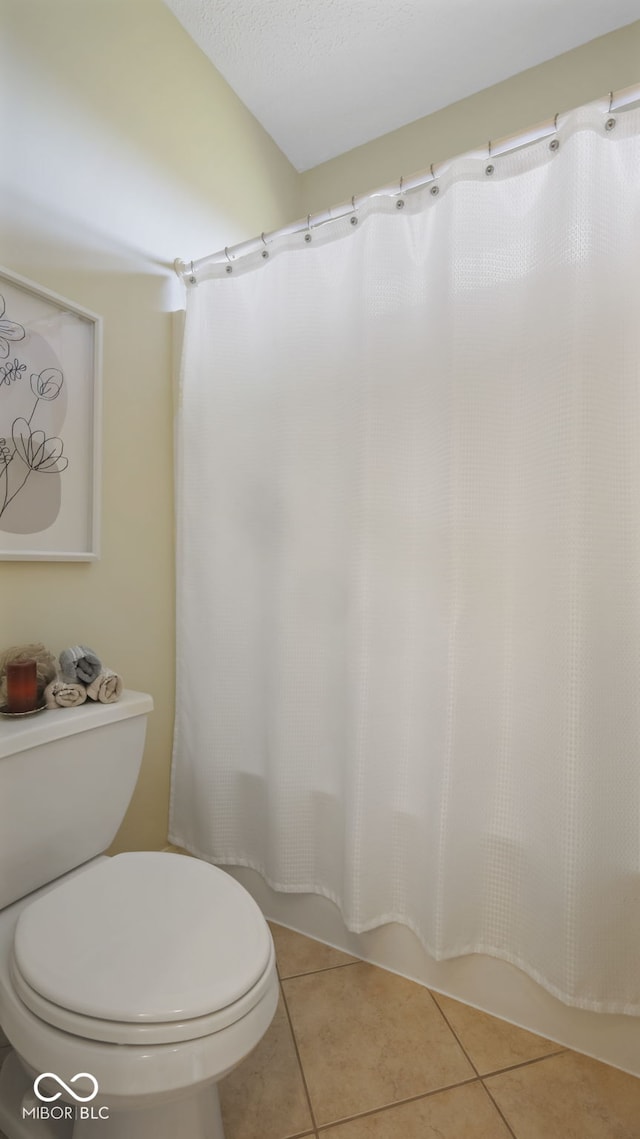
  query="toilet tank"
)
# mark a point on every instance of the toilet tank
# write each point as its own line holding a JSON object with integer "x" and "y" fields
{"x": 66, "y": 779}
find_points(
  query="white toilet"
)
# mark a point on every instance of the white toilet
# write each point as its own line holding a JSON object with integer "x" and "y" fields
{"x": 128, "y": 985}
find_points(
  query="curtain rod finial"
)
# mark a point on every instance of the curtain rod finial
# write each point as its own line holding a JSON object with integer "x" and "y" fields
{"x": 185, "y": 271}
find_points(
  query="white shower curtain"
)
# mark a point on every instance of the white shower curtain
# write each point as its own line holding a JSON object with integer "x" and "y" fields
{"x": 409, "y": 564}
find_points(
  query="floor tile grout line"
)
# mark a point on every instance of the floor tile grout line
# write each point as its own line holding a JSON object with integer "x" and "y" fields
{"x": 522, "y": 1064}
{"x": 314, "y": 1122}
{"x": 396, "y": 1103}
{"x": 526, "y": 1064}
{"x": 488, "y": 1093}
{"x": 499, "y": 1111}
{"x": 508, "y": 1067}
{"x": 453, "y": 1032}
{"x": 323, "y": 969}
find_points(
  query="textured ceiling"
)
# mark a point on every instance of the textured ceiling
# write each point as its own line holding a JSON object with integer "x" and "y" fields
{"x": 323, "y": 76}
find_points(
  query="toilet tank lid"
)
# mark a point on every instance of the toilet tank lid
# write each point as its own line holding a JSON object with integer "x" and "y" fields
{"x": 26, "y": 732}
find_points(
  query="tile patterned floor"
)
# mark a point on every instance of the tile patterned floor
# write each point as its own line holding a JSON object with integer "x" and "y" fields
{"x": 355, "y": 1052}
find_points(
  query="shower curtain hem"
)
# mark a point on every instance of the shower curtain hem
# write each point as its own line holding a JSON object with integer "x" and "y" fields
{"x": 609, "y": 1009}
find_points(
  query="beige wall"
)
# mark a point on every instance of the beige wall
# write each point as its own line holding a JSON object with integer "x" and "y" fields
{"x": 122, "y": 149}
{"x": 608, "y": 63}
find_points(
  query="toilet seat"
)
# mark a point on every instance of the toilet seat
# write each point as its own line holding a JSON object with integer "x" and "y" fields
{"x": 126, "y": 1032}
{"x": 86, "y": 956}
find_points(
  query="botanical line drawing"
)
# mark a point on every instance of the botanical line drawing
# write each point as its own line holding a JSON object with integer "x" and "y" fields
{"x": 9, "y": 330}
{"x": 11, "y": 371}
{"x": 31, "y": 450}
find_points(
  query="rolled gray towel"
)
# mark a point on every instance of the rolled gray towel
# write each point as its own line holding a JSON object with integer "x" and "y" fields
{"x": 80, "y": 664}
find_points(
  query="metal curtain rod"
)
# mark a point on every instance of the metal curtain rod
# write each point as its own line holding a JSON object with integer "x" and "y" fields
{"x": 188, "y": 271}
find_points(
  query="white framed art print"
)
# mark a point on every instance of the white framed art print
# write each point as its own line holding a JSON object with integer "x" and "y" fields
{"x": 50, "y": 420}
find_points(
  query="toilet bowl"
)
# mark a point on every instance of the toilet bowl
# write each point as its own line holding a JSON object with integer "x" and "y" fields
{"x": 129, "y": 985}
{"x": 152, "y": 973}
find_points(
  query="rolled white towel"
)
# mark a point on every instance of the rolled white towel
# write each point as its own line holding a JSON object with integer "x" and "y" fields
{"x": 107, "y": 688}
{"x": 64, "y": 694}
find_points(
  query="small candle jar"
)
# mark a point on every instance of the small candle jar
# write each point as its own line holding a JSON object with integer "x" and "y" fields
{"x": 22, "y": 686}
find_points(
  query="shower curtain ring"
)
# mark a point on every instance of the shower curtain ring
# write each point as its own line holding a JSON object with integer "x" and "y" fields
{"x": 400, "y": 201}
{"x": 307, "y": 235}
{"x": 353, "y": 219}
{"x": 265, "y": 251}
{"x": 229, "y": 267}
{"x": 192, "y": 276}
{"x": 489, "y": 169}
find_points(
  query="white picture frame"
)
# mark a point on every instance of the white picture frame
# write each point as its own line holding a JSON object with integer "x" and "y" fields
{"x": 50, "y": 424}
